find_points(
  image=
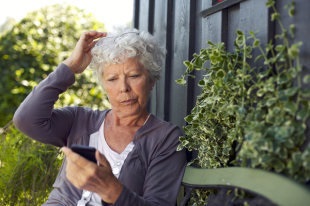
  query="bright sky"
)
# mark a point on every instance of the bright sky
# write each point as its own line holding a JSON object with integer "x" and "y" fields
{"x": 112, "y": 13}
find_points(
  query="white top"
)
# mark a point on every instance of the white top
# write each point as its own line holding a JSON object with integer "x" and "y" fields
{"x": 115, "y": 159}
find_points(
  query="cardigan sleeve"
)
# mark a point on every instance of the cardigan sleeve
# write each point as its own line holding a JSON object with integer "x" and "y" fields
{"x": 164, "y": 172}
{"x": 36, "y": 116}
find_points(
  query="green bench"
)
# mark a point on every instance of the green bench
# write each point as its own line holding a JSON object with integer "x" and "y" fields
{"x": 277, "y": 188}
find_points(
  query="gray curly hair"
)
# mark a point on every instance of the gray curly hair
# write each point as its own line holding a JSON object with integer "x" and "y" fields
{"x": 116, "y": 47}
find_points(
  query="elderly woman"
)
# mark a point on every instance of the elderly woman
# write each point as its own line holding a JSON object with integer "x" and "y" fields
{"x": 137, "y": 160}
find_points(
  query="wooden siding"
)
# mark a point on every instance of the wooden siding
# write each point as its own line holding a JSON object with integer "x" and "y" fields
{"x": 184, "y": 27}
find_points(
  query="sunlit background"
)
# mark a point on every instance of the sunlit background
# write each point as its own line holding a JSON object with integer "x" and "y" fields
{"x": 35, "y": 37}
{"x": 113, "y": 13}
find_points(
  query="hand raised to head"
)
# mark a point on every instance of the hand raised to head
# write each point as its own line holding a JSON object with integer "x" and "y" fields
{"x": 81, "y": 55}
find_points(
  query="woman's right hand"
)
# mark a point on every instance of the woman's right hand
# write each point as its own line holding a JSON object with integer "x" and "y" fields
{"x": 81, "y": 55}
{"x": 86, "y": 175}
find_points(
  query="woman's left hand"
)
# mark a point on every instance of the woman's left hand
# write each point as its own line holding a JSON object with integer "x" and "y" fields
{"x": 86, "y": 175}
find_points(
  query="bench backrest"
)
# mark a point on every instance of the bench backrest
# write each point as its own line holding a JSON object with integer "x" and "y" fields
{"x": 277, "y": 188}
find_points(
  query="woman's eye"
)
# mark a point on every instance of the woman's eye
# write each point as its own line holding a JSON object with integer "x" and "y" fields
{"x": 134, "y": 75}
{"x": 111, "y": 79}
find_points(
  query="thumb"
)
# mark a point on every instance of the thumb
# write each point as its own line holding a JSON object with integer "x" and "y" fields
{"x": 102, "y": 160}
{"x": 65, "y": 150}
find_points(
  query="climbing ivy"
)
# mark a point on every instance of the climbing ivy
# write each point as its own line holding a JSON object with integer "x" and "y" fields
{"x": 253, "y": 109}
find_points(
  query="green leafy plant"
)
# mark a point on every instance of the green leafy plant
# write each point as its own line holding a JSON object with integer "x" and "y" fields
{"x": 34, "y": 47}
{"x": 252, "y": 110}
{"x": 28, "y": 169}
{"x": 30, "y": 50}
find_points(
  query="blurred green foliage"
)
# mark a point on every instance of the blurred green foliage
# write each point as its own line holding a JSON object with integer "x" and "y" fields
{"x": 29, "y": 51}
{"x": 34, "y": 47}
{"x": 27, "y": 169}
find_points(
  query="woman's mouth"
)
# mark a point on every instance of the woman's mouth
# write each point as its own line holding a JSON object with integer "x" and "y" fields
{"x": 128, "y": 101}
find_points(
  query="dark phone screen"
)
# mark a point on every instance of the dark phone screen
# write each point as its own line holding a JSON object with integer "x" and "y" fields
{"x": 85, "y": 151}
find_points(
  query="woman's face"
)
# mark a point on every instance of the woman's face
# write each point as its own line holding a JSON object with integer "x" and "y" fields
{"x": 128, "y": 86}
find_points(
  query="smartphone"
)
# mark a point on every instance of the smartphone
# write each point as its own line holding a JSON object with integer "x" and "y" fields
{"x": 85, "y": 151}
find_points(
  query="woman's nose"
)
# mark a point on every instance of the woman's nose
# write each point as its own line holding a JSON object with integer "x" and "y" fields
{"x": 124, "y": 86}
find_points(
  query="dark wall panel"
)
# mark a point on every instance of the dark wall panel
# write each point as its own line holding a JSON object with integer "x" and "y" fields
{"x": 144, "y": 14}
{"x": 202, "y": 25}
{"x": 180, "y": 45}
{"x": 302, "y": 27}
{"x": 184, "y": 27}
{"x": 200, "y": 42}
{"x": 213, "y": 27}
{"x": 160, "y": 31}
{"x": 301, "y": 22}
{"x": 254, "y": 17}
{"x": 232, "y": 23}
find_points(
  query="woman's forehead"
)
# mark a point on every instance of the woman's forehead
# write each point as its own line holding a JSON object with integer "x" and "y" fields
{"x": 131, "y": 64}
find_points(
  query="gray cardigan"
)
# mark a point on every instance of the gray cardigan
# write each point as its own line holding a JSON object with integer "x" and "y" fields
{"x": 152, "y": 172}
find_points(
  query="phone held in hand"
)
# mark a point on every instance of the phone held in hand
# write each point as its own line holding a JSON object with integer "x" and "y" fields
{"x": 85, "y": 151}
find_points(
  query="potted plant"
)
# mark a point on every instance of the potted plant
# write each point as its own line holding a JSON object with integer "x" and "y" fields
{"x": 252, "y": 110}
